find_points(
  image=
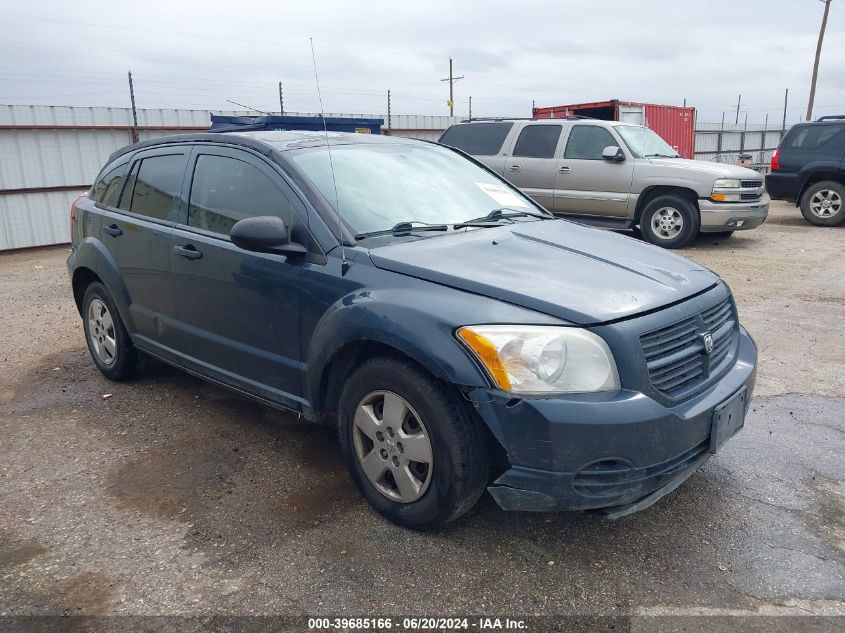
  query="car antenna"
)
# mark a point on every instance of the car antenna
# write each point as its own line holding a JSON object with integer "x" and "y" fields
{"x": 344, "y": 266}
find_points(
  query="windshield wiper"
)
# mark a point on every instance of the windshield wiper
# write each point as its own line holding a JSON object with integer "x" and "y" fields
{"x": 499, "y": 214}
{"x": 404, "y": 228}
{"x": 662, "y": 155}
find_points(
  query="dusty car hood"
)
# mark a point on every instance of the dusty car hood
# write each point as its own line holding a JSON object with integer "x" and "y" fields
{"x": 567, "y": 270}
{"x": 718, "y": 170}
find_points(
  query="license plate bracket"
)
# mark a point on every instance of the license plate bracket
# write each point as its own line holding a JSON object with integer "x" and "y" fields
{"x": 728, "y": 419}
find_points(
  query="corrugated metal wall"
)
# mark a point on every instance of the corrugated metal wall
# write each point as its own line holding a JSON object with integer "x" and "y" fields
{"x": 50, "y": 154}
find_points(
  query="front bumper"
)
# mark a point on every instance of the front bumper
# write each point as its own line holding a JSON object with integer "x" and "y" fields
{"x": 732, "y": 216}
{"x": 622, "y": 450}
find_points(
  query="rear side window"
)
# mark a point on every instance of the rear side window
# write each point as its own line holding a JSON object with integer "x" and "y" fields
{"x": 153, "y": 186}
{"x": 107, "y": 188}
{"x": 587, "y": 142}
{"x": 477, "y": 139}
{"x": 538, "y": 141}
{"x": 225, "y": 190}
{"x": 817, "y": 137}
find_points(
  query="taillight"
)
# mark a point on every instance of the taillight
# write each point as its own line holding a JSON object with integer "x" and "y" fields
{"x": 775, "y": 162}
{"x": 73, "y": 212}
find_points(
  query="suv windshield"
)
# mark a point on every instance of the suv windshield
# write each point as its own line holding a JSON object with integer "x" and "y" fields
{"x": 380, "y": 186}
{"x": 644, "y": 142}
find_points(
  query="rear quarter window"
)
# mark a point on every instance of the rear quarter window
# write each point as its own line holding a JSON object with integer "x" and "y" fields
{"x": 107, "y": 187}
{"x": 816, "y": 138}
{"x": 477, "y": 139}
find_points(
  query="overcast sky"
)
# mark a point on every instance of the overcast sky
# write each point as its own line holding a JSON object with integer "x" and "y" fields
{"x": 192, "y": 54}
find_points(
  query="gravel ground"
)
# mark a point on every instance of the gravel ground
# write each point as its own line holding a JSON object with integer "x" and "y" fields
{"x": 176, "y": 497}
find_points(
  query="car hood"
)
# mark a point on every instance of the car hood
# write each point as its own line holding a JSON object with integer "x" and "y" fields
{"x": 717, "y": 170}
{"x": 577, "y": 273}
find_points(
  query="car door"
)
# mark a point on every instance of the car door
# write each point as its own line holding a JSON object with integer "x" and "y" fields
{"x": 586, "y": 183}
{"x": 532, "y": 161}
{"x": 238, "y": 311}
{"x": 137, "y": 231}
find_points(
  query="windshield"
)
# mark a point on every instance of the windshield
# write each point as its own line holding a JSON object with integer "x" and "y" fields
{"x": 382, "y": 185}
{"x": 644, "y": 142}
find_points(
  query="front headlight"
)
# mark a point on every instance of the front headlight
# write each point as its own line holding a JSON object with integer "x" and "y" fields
{"x": 726, "y": 183}
{"x": 542, "y": 359}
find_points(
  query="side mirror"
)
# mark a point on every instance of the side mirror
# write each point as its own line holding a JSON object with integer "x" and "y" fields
{"x": 265, "y": 234}
{"x": 613, "y": 153}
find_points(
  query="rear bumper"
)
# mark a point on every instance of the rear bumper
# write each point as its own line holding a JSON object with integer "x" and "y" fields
{"x": 732, "y": 216}
{"x": 620, "y": 451}
{"x": 782, "y": 186}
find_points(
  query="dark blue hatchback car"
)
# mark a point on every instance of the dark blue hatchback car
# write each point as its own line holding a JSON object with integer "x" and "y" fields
{"x": 459, "y": 336}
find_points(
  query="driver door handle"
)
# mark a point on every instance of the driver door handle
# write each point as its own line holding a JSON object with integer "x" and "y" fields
{"x": 189, "y": 251}
{"x": 515, "y": 167}
{"x": 565, "y": 170}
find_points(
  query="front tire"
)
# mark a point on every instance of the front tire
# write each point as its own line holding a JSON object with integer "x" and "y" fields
{"x": 670, "y": 221}
{"x": 413, "y": 448}
{"x": 108, "y": 341}
{"x": 823, "y": 203}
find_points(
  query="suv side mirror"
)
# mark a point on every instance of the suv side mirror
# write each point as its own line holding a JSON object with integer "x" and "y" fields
{"x": 265, "y": 234}
{"x": 613, "y": 153}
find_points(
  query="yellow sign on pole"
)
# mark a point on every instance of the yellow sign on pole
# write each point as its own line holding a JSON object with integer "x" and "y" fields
{"x": 450, "y": 103}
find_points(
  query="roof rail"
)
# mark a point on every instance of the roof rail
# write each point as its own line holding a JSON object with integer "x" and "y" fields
{"x": 568, "y": 117}
{"x": 831, "y": 117}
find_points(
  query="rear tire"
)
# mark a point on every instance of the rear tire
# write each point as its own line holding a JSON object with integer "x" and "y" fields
{"x": 823, "y": 203}
{"x": 454, "y": 463}
{"x": 670, "y": 221}
{"x": 108, "y": 341}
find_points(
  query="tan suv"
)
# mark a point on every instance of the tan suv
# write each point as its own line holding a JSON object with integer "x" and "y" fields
{"x": 615, "y": 175}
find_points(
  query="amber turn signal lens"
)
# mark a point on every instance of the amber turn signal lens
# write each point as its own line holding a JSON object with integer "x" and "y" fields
{"x": 486, "y": 352}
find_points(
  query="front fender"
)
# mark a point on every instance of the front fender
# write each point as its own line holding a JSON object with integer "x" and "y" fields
{"x": 394, "y": 320}
{"x": 92, "y": 254}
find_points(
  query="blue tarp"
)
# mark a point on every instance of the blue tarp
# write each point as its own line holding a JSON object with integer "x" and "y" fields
{"x": 221, "y": 123}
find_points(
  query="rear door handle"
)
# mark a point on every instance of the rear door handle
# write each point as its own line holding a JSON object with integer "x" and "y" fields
{"x": 189, "y": 251}
{"x": 565, "y": 170}
{"x": 515, "y": 167}
{"x": 113, "y": 229}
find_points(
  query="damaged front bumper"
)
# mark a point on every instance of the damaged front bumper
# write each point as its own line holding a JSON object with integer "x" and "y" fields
{"x": 616, "y": 451}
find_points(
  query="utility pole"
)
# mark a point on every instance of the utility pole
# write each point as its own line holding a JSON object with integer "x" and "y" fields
{"x": 281, "y": 100}
{"x": 685, "y": 103}
{"x": 470, "y": 107}
{"x": 738, "y": 101}
{"x": 134, "y": 111}
{"x": 816, "y": 62}
{"x": 389, "y": 127}
{"x": 451, "y": 79}
{"x": 785, "y": 101}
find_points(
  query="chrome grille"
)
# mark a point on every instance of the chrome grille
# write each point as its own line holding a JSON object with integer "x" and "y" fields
{"x": 675, "y": 354}
{"x": 751, "y": 184}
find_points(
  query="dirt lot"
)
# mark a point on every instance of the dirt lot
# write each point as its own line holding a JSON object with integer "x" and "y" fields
{"x": 176, "y": 497}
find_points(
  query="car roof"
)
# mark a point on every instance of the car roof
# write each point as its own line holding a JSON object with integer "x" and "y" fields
{"x": 267, "y": 141}
{"x": 554, "y": 121}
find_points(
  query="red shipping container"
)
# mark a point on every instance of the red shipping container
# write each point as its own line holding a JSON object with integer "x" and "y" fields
{"x": 676, "y": 124}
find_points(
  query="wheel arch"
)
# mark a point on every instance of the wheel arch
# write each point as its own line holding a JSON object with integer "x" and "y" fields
{"x": 817, "y": 177}
{"x": 93, "y": 262}
{"x": 654, "y": 191}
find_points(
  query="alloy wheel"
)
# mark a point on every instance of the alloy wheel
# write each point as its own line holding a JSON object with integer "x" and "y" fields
{"x": 825, "y": 203}
{"x": 101, "y": 332}
{"x": 393, "y": 446}
{"x": 667, "y": 223}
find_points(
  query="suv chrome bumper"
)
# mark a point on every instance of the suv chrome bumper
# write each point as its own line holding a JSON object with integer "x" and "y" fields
{"x": 732, "y": 216}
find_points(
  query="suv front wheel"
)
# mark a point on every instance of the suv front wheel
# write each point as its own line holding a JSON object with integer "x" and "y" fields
{"x": 670, "y": 221}
{"x": 823, "y": 203}
{"x": 413, "y": 447}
